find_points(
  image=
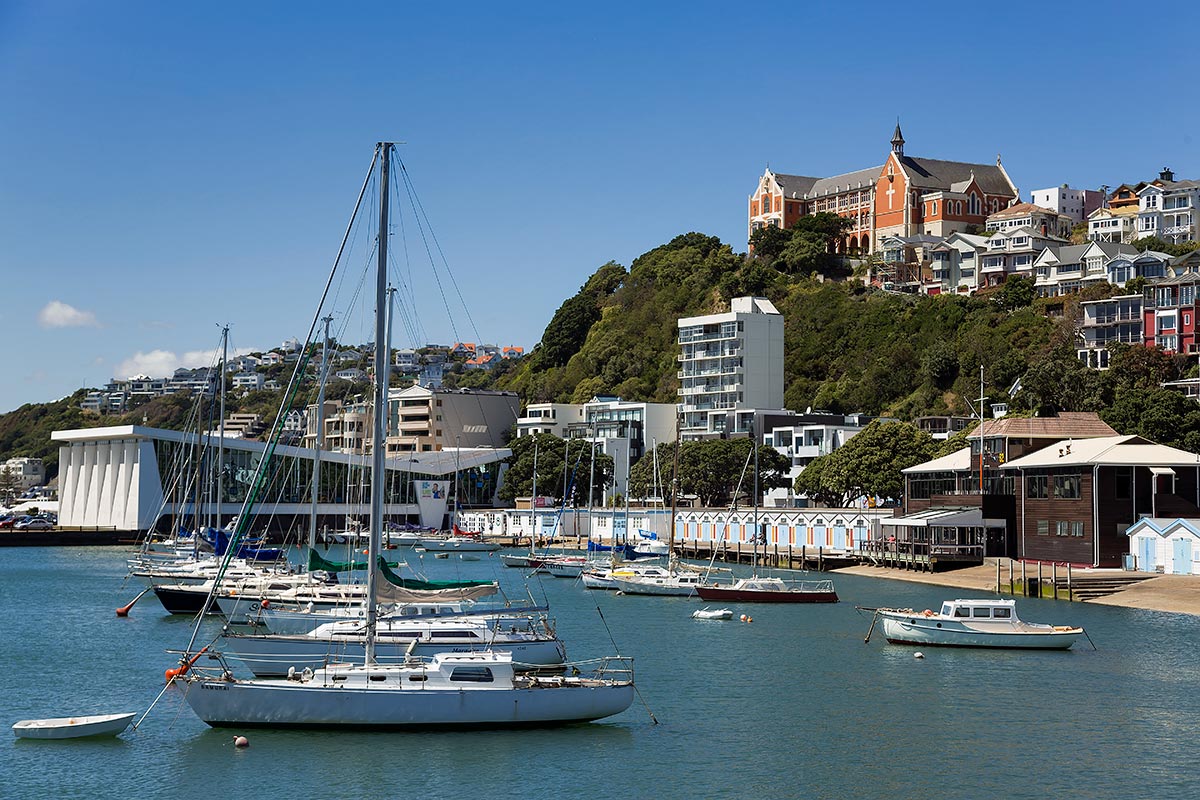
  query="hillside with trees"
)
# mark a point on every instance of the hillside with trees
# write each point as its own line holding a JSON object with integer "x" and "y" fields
{"x": 848, "y": 346}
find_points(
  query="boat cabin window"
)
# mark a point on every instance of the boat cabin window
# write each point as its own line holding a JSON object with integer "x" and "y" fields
{"x": 418, "y": 678}
{"x": 472, "y": 675}
{"x": 981, "y": 612}
{"x": 452, "y": 635}
{"x": 1002, "y": 613}
{"x": 379, "y": 677}
{"x": 962, "y": 612}
{"x": 945, "y": 609}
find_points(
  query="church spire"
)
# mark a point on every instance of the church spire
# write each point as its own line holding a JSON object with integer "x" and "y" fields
{"x": 898, "y": 140}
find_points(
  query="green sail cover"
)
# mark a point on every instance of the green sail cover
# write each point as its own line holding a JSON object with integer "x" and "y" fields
{"x": 412, "y": 583}
{"x": 316, "y": 561}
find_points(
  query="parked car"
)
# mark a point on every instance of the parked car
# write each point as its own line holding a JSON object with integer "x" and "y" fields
{"x": 33, "y": 524}
{"x": 7, "y": 521}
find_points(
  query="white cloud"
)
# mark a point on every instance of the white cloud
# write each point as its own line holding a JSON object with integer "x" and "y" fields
{"x": 163, "y": 363}
{"x": 57, "y": 314}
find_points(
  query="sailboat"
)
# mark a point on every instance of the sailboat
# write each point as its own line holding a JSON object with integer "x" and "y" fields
{"x": 448, "y": 690}
{"x": 766, "y": 589}
{"x": 678, "y": 579}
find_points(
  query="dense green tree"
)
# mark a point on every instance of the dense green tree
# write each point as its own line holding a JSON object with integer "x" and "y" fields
{"x": 711, "y": 470}
{"x": 563, "y": 466}
{"x": 770, "y": 241}
{"x": 1161, "y": 246}
{"x": 871, "y": 463}
{"x": 1017, "y": 292}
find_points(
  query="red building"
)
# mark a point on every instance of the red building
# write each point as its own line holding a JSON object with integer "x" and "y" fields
{"x": 905, "y": 196}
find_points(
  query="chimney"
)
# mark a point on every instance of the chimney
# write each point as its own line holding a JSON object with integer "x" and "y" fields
{"x": 1166, "y": 175}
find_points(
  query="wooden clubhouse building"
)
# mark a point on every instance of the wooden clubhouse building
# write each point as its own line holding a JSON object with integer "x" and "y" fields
{"x": 1062, "y": 489}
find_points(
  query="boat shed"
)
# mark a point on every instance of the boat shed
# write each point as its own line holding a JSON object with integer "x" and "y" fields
{"x": 1077, "y": 499}
{"x": 1165, "y": 546}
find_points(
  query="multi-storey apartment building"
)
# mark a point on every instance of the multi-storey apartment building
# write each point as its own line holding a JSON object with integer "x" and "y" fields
{"x": 1075, "y": 204}
{"x": 729, "y": 361}
{"x": 955, "y": 263}
{"x": 423, "y": 419}
{"x": 1117, "y": 319}
{"x": 1167, "y": 208}
{"x": 905, "y": 196}
{"x": 1169, "y": 308}
{"x": 552, "y": 418}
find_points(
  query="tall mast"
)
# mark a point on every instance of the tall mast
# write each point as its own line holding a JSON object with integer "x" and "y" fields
{"x": 674, "y": 499}
{"x": 754, "y": 444}
{"x": 378, "y": 447}
{"x": 221, "y": 434}
{"x": 533, "y": 499}
{"x": 319, "y": 440}
{"x": 981, "y": 400}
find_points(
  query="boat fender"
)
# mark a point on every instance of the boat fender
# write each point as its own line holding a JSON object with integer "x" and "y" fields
{"x": 265, "y": 603}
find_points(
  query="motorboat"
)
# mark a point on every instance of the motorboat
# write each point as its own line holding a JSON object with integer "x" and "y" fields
{"x": 973, "y": 623}
{"x": 758, "y": 589}
{"x": 73, "y": 727}
{"x": 678, "y": 581}
{"x": 604, "y": 577}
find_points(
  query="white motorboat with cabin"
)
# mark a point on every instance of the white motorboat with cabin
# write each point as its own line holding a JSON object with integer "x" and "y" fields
{"x": 973, "y": 623}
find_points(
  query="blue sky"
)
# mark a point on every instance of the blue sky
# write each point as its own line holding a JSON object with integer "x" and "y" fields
{"x": 165, "y": 167}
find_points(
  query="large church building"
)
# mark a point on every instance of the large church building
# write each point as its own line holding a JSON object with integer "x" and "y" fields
{"x": 906, "y": 196}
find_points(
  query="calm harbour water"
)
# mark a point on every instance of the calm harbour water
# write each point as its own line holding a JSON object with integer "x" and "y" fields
{"x": 791, "y": 706}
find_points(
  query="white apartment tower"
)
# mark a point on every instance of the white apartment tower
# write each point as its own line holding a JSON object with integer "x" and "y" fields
{"x": 728, "y": 362}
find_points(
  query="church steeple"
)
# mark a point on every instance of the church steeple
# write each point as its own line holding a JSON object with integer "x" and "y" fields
{"x": 898, "y": 140}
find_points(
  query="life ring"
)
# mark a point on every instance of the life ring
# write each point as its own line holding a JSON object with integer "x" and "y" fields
{"x": 927, "y": 612}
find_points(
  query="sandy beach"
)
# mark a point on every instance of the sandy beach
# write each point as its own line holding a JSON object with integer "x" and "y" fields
{"x": 1178, "y": 594}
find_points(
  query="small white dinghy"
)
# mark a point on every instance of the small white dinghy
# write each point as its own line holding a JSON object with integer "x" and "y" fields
{"x": 73, "y": 727}
{"x": 713, "y": 613}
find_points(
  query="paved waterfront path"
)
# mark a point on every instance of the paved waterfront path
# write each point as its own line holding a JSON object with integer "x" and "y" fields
{"x": 1179, "y": 594}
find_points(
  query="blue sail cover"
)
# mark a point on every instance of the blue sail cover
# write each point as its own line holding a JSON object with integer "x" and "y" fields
{"x": 220, "y": 542}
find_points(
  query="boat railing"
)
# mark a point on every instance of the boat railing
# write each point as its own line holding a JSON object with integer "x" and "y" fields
{"x": 610, "y": 668}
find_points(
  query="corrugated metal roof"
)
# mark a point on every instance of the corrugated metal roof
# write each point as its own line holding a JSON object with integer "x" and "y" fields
{"x": 1128, "y": 451}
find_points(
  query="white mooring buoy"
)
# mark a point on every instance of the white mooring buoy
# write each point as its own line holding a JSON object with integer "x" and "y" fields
{"x": 241, "y": 741}
{"x": 918, "y": 654}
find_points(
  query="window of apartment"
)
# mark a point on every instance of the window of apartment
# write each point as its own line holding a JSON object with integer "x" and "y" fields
{"x": 1077, "y": 529}
{"x": 1062, "y": 528}
{"x": 1036, "y": 486}
{"x": 1187, "y": 295}
{"x": 1066, "y": 487}
{"x": 1043, "y": 527}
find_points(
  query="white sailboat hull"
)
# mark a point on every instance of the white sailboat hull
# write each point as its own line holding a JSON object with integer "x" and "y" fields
{"x": 269, "y": 656}
{"x": 288, "y": 704}
{"x": 655, "y": 586}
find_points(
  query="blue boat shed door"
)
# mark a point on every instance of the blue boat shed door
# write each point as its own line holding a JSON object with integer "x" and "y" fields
{"x": 1183, "y": 556}
{"x": 1146, "y": 554}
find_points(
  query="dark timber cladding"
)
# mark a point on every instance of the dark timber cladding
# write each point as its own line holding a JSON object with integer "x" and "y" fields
{"x": 1080, "y": 514}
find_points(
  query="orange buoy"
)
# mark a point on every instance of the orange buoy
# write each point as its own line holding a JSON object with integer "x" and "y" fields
{"x": 241, "y": 741}
{"x": 183, "y": 667}
{"x": 742, "y": 617}
{"x": 265, "y": 603}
